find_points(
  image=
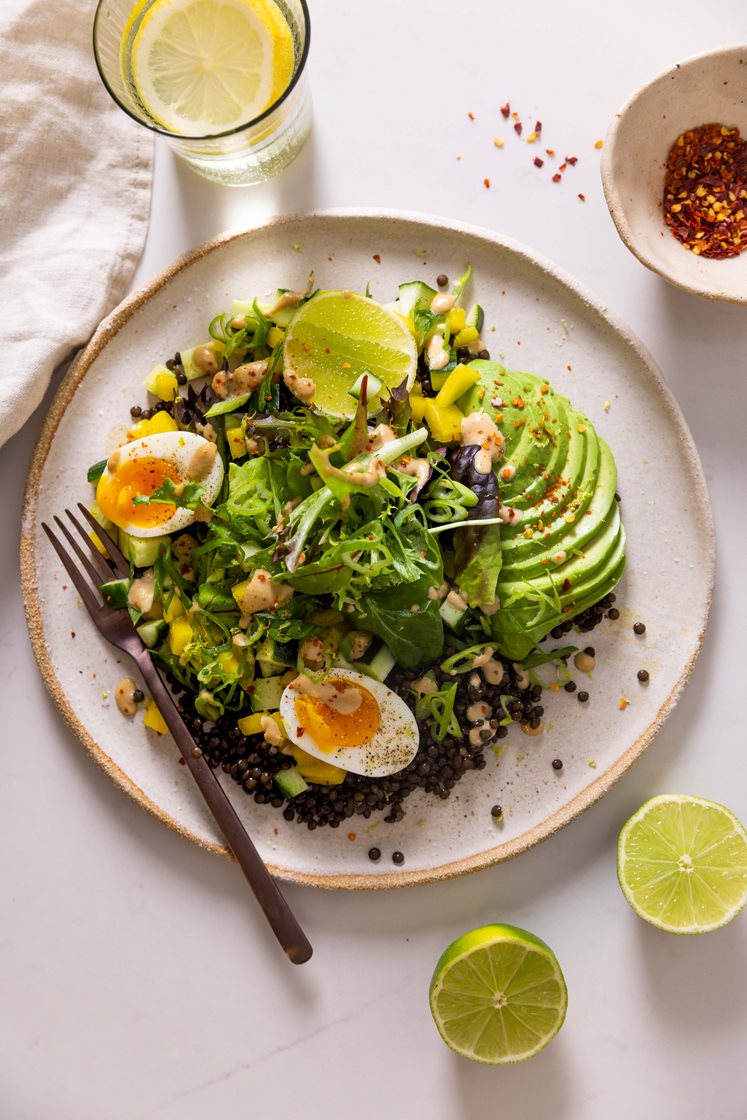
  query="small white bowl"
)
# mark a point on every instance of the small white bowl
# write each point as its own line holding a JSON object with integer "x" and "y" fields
{"x": 710, "y": 88}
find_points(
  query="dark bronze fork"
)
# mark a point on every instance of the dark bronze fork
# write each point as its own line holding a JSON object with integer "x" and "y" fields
{"x": 116, "y": 626}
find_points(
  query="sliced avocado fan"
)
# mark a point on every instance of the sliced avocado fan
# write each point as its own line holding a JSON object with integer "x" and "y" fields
{"x": 567, "y": 550}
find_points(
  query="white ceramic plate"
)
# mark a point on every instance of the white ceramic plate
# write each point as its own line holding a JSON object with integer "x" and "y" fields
{"x": 544, "y": 323}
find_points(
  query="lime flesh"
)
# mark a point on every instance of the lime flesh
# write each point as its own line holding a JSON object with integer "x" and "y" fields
{"x": 498, "y": 995}
{"x": 682, "y": 864}
{"x": 337, "y": 336}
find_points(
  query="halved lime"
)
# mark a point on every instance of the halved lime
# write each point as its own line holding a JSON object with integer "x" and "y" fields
{"x": 337, "y": 336}
{"x": 682, "y": 864}
{"x": 203, "y": 66}
{"x": 498, "y": 995}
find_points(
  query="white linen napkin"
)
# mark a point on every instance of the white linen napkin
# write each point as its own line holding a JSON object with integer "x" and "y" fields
{"x": 75, "y": 183}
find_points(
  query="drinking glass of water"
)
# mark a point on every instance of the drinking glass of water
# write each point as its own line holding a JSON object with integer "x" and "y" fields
{"x": 222, "y": 80}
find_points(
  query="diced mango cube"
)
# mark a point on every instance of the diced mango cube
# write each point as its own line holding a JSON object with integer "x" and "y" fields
{"x": 445, "y": 423}
{"x": 236, "y": 442}
{"x": 180, "y": 635}
{"x": 456, "y": 385}
{"x": 314, "y": 770}
{"x": 161, "y": 422}
{"x": 275, "y": 335}
{"x": 153, "y": 719}
{"x": 466, "y": 335}
{"x": 175, "y": 609}
{"x": 456, "y": 319}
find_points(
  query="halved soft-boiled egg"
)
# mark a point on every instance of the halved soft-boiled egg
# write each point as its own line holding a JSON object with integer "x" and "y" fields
{"x": 137, "y": 469}
{"x": 352, "y": 721}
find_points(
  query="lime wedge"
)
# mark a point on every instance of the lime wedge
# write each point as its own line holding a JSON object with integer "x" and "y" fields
{"x": 337, "y": 336}
{"x": 682, "y": 864}
{"x": 498, "y": 995}
{"x": 202, "y": 66}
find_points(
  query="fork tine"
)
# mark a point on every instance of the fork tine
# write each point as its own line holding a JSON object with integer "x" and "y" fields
{"x": 104, "y": 570}
{"x": 85, "y": 592}
{"x": 93, "y": 574}
{"x": 121, "y": 566}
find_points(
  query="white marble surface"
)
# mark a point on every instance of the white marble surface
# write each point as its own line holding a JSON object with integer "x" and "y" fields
{"x": 137, "y": 979}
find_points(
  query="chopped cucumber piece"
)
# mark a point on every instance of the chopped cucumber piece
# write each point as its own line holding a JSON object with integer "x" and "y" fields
{"x": 452, "y": 616}
{"x": 380, "y": 665}
{"x": 414, "y": 295}
{"x": 244, "y": 309}
{"x": 475, "y": 317}
{"x": 275, "y": 657}
{"x": 95, "y": 472}
{"x": 290, "y": 782}
{"x": 152, "y": 632}
{"x": 283, "y": 315}
{"x": 191, "y": 370}
{"x": 141, "y": 551}
{"x": 373, "y": 388}
{"x": 115, "y": 592}
{"x": 265, "y": 694}
{"x": 162, "y": 383}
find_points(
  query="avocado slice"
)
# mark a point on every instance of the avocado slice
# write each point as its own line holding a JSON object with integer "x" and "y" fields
{"x": 568, "y": 549}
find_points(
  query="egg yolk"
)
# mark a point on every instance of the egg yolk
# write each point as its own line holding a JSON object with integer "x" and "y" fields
{"x": 331, "y": 729}
{"x": 133, "y": 478}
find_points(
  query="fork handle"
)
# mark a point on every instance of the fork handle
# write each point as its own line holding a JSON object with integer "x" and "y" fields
{"x": 281, "y": 919}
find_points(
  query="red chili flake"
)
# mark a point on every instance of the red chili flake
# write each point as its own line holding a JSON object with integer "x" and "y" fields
{"x": 471, "y": 116}
{"x": 705, "y": 191}
{"x": 486, "y": 182}
{"x": 538, "y": 127}
{"x": 566, "y": 585}
{"x": 556, "y": 177}
{"x": 182, "y": 762}
{"x": 330, "y": 258}
{"x": 377, "y": 258}
{"x": 562, "y": 167}
{"x": 538, "y": 162}
{"x": 573, "y": 160}
{"x": 582, "y": 197}
{"x": 517, "y": 128}
{"x": 505, "y": 110}
{"x": 550, "y": 151}
{"x": 352, "y": 836}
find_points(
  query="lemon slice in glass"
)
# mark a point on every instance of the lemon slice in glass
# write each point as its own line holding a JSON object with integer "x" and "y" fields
{"x": 209, "y": 66}
{"x": 682, "y": 864}
{"x": 498, "y": 995}
{"x": 337, "y": 336}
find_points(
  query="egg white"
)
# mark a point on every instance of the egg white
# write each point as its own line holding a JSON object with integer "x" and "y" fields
{"x": 178, "y": 448}
{"x": 392, "y": 747}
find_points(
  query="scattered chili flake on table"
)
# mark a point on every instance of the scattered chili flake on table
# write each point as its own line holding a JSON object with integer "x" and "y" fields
{"x": 599, "y": 143}
{"x": 471, "y": 116}
{"x": 538, "y": 162}
{"x": 556, "y": 177}
{"x": 486, "y": 182}
{"x": 377, "y": 258}
{"x": 705, "y": 191}
{"x": 582, "y": 197}
{"x": 518, "y": 127}
{"x": 498, "y": 142}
